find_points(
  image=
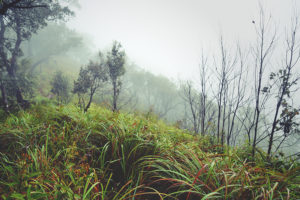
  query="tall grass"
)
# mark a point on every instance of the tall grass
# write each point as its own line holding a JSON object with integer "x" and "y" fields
{"x": 58, "y": 152}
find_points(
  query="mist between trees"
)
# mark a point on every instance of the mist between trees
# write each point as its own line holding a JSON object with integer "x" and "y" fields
{"x": 243, "y": 95}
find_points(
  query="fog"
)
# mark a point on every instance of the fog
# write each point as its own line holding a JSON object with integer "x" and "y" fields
{"x": 149, "y": 99}
{"x": 211, "y": 67}
{"x": 167, "y": 37}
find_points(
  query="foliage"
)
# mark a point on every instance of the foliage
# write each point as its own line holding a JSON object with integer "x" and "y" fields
{"x": 115, "y": 64}
{"x": 153, "y": 92}
{"x": 25, "y": 79}
{"x": 54, "y": 41}
{"x": 57, "y": 152}
{"x": 60, "y": 87}
{"x": 90, "y": 79}
{"x": 16, "y": 26}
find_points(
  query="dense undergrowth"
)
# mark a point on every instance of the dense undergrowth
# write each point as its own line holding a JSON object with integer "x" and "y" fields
{"x": 58, "y": 152}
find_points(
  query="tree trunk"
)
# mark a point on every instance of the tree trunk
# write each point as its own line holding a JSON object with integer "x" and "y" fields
{"x": 273, "y": 128}
{"x": 4, "y": 97}
{"x": 17, "y": 89}
{"x": 115, "y": 96}
{"x": 218, "y": 122}
{"x": 93, "y": 90}
{"x": 4, "y": 61}
{"x": 11, "y": 68}
{"x": 284, "y": 86}
{"x": 36, "y": 64}
{"x": 264, "y": 50}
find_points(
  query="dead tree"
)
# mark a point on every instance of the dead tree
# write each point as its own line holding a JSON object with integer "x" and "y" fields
{"x": 238, "y": 95}
{"x": 222, "y": 75}
{"x": 206, "y": 106}
{"x": 192, "y": 98}
{"x": 262, "y": 53}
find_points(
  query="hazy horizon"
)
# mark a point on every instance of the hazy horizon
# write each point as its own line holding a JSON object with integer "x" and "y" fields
{"x": 167, "y": 37}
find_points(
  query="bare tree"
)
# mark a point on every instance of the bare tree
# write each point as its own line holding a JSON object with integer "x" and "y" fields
{"x": 237, "y": 95}
{"x": 262, "y": 53}
{"x": 206, "y": 106}
{"x": 222, "y": 75}
{"x": 192, "y": 98}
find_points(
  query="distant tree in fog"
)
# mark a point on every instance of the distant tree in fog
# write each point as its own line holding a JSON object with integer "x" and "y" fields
{"x": 116, "y": 67}
{"x": 191, "y": 96}
{"x": 60, "y": 86}
{"x": 54, "y": 40}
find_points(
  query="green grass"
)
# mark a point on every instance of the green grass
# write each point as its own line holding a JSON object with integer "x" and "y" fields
{"x": 58, "y": 152}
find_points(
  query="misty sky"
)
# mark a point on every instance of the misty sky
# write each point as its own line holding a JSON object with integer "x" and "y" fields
{"x": 167, "y": 36}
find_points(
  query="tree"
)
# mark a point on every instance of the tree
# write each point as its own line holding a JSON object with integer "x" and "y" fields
{"x": 17, "y": 24}
{"x": 206, "y": 106}
{"x": 116, "y": 67}
{"x": 149, "y": 92}
{"x": 262, "y": 53}
{"x": 8, "y": 5}
{"x": 159, "y": 93}
{"x": 237, "y": 98}
{"x": 90, "y": 79}
{"x": 26, "y": 81}
{"x": 191, "y": 96}
{"x": 4, "y": 101}
{"x": 60, "y": 87}
{"x": 53, "y": 41}
{"x": 223, "y": 77}
{"x": 284, "y": 82}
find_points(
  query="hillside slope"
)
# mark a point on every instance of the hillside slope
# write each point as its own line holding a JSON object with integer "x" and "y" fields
{"x": 58, "y": 152}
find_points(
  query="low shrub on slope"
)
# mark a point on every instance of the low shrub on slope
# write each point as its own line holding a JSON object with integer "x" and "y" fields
{"x": 58, "y": 152}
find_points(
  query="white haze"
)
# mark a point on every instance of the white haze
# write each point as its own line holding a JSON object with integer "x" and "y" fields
{"x": 167, "y": 36}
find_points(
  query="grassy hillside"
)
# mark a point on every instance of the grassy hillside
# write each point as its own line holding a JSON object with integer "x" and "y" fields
{"x": 58, "y": 152}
